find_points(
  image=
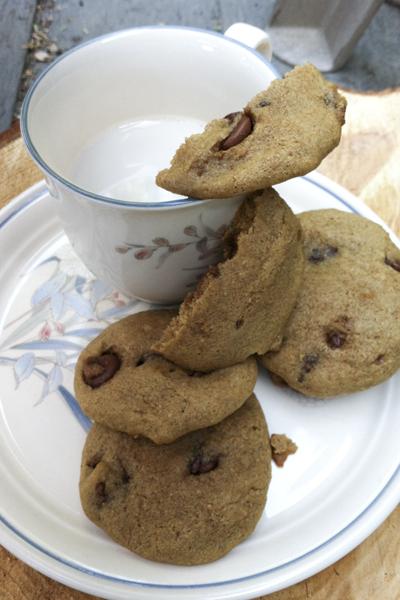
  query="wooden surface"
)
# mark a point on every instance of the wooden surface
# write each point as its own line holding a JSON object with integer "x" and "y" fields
{"x": 367, "y": 161}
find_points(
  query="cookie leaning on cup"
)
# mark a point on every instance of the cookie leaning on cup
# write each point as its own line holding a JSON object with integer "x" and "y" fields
{"x": 120, "y": 384}
{"x": 186, "y": 503}
{"x": 283, "y": 132}
{"x": 241, "y": 305}
{"x": 344, "y": 334}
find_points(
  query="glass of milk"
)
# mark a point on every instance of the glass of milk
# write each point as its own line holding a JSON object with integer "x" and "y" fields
{"x": 101, "y": 122}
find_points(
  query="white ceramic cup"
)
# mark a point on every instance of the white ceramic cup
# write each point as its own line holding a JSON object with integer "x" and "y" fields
{"x": 100, "y": 122}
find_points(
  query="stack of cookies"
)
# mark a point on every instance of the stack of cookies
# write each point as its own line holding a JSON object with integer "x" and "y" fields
{"x": 177, "y": 465}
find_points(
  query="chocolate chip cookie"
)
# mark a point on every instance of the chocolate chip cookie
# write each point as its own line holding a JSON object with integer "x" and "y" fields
{"x": 344, "y": 334}
{"x": 241, "y": 305}
{"x": 283, "y": 132}
{"x": 119, "y": 383}
{"x": 186, "y": 503}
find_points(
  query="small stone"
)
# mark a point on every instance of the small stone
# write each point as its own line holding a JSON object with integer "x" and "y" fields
{"x": 53, "y": 48}
{"x": 41, "y": 56}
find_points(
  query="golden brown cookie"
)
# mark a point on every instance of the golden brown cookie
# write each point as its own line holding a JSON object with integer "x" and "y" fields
{"x": 283, "y": 132}
{"x": 186, "y": 503}
{"x": 344, "y": 334}
{"x": 120, "y": 384}
{"x": 241, "y": 306}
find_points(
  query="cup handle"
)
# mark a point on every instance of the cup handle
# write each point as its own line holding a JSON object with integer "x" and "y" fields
{"x": 251, "y": 36}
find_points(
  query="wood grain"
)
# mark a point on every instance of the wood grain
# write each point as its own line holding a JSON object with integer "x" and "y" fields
{"x": 371, "y": 571}
{"x": 367, "y": 160}
{"x": 17, "y": 171}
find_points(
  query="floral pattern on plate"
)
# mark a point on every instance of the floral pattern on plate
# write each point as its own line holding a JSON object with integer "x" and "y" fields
{"x": 67, "y": 310}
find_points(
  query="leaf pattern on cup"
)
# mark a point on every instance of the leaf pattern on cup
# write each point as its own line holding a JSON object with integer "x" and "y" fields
{"x": 206, "y": 240}
{"x": 191, "y": 230}
{"x": 160, "y": 241}
{"x": 144, "y": 253}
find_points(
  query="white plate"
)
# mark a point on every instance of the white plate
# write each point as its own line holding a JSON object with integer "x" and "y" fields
{"x": 340, "y": 485}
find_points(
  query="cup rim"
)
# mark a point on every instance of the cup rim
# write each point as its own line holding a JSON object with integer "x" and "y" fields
{"x": 98, "y": 198}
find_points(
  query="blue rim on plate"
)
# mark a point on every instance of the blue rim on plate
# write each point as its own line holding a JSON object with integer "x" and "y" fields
{"x": 98, "y": 197}
{"x": 128, "y": 582}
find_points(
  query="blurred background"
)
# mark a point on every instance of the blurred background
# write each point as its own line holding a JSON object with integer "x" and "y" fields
{"x": 365, "y": 32}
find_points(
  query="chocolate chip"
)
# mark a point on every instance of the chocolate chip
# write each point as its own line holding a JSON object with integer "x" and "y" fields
{"x": 101, "y": 494}
{"x": 200, "y": 464}
{"x": 395, "y": 264}
{"x": 99, "y": 369}
{"x": 264, "y": 103}
{"x": 309, "y": 363}
{"x": 239, "y": 323}
{"x": 321, "y": 253}
{"x": 379, "y": 359}
{"x": 336, "y": 339}
{"x": 231, "y": 117}
{"x": 238, "y": 134}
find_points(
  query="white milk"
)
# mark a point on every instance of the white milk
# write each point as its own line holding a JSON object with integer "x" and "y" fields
{"x": 123, "y": 161}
